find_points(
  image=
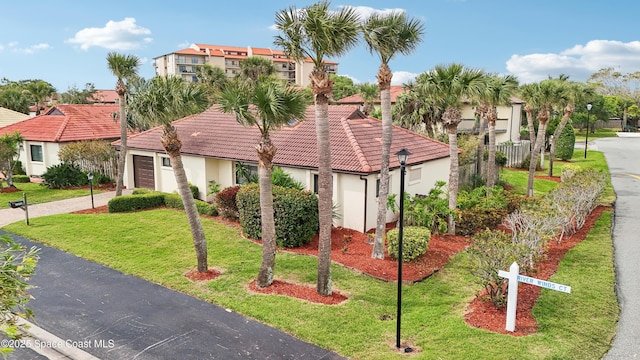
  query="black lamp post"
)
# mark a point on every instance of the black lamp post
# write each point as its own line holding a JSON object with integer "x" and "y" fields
{"x": 90, "y": 177}
{"x": 403, "y": 155}
{"x": 586, "y": 139}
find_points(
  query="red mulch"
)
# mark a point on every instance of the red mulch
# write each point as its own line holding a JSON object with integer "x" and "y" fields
{"x": 194, "y": 275}
{"x": 481, "y": 313}
{"x": 9, "y": 189}
{"x": 298, "y": 291}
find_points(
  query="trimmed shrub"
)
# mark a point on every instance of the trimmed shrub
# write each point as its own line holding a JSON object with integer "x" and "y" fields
{"x": 226, "y": 202}
{"x": 415, "y": 242}
{"x": 566, "y": 143}
{"x": 20, "y": 179}
{"x": 135, "y": 202}
{"x": 568, "y": 171}
{"x": 195, "y": 191}
{"x": 174, "y": 201}
{"x": 140, "y": 191}
{"x": 295, "y": 214}
{"x": 18, "y": 169}
{"x": 474, "y": 219}
{"x": 64, "y": 175}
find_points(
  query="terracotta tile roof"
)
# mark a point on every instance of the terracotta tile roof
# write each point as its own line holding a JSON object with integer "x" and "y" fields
{"x": 355, "y": 141}
{"x": 64, "y": 123}
{"x": 104, "y": 96}
{"x": 261, "y": 51}
{"x": 357, "y": 98}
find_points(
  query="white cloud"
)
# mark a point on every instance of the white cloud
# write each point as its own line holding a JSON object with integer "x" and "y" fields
{"x": 366, "y": 11}
{"x": 26, "y": 50}
{"x": 115, "y": 35}
{"x": 1, "y": 47}
{"x": 355, "y": 81}
{"x": 578, "y": 62}
{"x": 402, "y": 77}
{"x": 184, "y": 45}
{"x": 143, "y": 60}
{"x": 273, "y": 27}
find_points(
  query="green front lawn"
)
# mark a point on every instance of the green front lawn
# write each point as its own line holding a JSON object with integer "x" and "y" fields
{"x": 156, "y": 245}
{"x": 37, "y": 194}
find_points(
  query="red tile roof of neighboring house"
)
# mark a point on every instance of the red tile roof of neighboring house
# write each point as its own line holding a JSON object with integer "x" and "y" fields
{"x": 355, "y": 141}
{"x": 104, "y": 96}
{"x": 64, "y": 123}
{"x": 356, "y": 99}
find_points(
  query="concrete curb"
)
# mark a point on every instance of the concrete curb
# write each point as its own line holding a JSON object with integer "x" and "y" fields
{"x": 49, "y": 345}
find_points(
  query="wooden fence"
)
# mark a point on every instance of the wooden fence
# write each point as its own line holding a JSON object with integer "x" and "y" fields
{"x": 516, "y": 154}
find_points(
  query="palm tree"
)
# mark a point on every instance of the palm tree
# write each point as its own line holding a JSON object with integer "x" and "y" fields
{"x": 315, "y": 32}
{"x": 576, "y": 93}
{"x": 267, "y": 105}
{"x": 212, "y": 78}
{"x": 415, "y": 112}
{"x": 40, "y": 91}
{"x": 163, "y": 101}
{"x": 498, "y": 92}
{"x": 124, "y": 67}
{"x": 254, "y": 67}
{"x": 387, "y": 35}
{"x": 449, "y": 86}
{"x": 540, "y": 97}
{"x": 369, "y": 93}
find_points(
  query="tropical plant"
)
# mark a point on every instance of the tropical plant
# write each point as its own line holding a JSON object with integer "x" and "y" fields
{"x": 316, "y": 32}
{"x": 165, "y": 100}
{"x": 9, "y": 154}
{"x": 388, "y": 35}
{"x": 74, "y": 95}
{"x": 498, "y": 91}
{"x": 14, "y": 99}
{"x": 124, "y": 68}
{"x": 448, "y": 86}
{"x": 255, "y": 67}
{"x": 264, "y": 102}
{"x": 369, "y": 93}
{"x": 40, "y": 91}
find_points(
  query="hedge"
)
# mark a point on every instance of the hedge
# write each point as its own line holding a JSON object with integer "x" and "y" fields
{"x": 135, "y": 202}
{"x": 175, "y": 201}
{"x": 295, "y": 214}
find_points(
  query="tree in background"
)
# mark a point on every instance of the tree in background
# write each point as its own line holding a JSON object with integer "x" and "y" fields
{"x": 74, "y": 95}
{"x": 14, "y": 99}
{"x": 9, "y": 154}
{"x": 212, "y": 78}
{"x": 387, "y": 36}
{"x": 40, "y": 92}
{"x": 343, "y": 86}
{"x": 414, "y": 111}
{"x": 125, "y": 68}
{"x": 265, "y": 103}
{"x": 316, "y": 32}
{"x": 164, "y": 101}
{"x": 609, "y": 82}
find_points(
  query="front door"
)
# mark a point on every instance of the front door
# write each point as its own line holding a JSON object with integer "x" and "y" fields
{"x": 143, "y": 173}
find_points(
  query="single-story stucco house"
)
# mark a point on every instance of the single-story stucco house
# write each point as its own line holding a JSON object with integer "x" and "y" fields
{"x": 213, "y": 144}
{"x": 45, "y": 134}
{"x": 8, "y": 117}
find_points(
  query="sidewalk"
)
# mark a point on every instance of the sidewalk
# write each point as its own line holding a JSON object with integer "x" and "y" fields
{"x": 88, "y": 311}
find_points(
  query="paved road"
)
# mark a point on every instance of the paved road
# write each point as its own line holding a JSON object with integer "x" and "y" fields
{"x": 93, "y": 312}
{"x": 622, "y": 156}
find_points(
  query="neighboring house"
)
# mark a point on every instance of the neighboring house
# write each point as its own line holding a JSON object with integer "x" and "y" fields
{"x": 104, "y": 97}
{"x": 184, "y": 62}
{"x": 46, "y": 134}
{"x": 8, "y": 116}
{"x": 356, "y": 99}
{"x": 507, "y": 125}
{"x": 213, "y": 143}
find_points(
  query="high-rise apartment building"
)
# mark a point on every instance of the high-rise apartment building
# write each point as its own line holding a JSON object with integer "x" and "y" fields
{"x": 184, "y": 62}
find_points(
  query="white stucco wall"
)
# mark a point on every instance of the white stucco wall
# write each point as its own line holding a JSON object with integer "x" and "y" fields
{"x": 49, "y": 157}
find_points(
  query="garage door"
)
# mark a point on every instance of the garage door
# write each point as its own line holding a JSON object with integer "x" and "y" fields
{"x": 143, "y": 174}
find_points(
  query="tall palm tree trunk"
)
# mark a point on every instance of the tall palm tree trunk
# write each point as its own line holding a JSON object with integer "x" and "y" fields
{"x": 384, "y": 81}
{"x": 528, "y": 109}
{"x": 172, "y": 146}
{"x": 454, "y": 175}
{"x": 122, "y": 156}
{"x": 266, "y": 151}
{"x": 491, "y": 161}
{"x": 325, "y": 195}
{"x": 533, "y": 165}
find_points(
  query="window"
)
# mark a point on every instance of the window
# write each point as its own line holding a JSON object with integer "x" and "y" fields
{"x": 166, "y": 162}
{"x": 182, "y": 59}
{"x": 315, "y": 183}
{"x": 415, "y": 175}
{"x": 182, "y": 68}
{"x": 246, "y": 173}
{"x": 36, "y": 153}
{"x": 378, "y": 187}
{"x": 194, "y": 59}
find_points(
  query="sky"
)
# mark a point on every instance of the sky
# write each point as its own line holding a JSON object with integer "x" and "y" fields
{"x": 66, "y": 42}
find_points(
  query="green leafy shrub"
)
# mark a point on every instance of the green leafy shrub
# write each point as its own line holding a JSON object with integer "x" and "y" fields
{"x": 64, "y": 175}
{"x": 226, "y": 202}
{"x": 430, "y": 211}
{"x": 568, "y": 171}
{"x": 195, "y": 191}
{"x": 415, "y": 242}
{"x": 135, "y": 202}
{"x": 281, "y": 178}
{"x": 18, "y": 169}
{"x": 295, "y": 214}
{"x": 140, "y": 191}
{"x": 21, "y": 179}
{"x": 474, "y": 219}
{"x": 566, "y": 143}
{"x": 174, "y": 201}
{"x": 491, "y": 251}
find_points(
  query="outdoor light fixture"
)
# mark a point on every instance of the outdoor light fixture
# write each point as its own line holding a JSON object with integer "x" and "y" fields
{"x": 90, "y": 178}
{"x": 586, "y": 139}
{"x": 403, "y": 156}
